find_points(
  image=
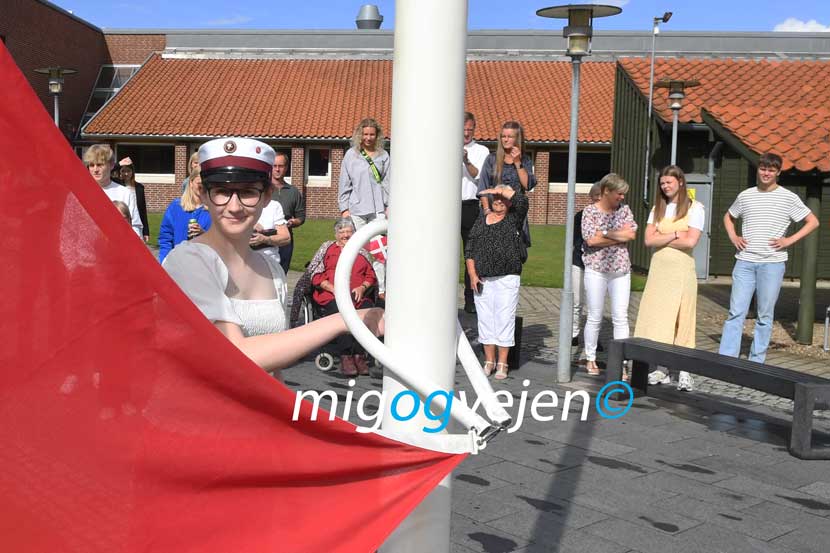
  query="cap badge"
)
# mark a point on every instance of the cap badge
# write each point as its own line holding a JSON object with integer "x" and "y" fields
{"x": 258, "y": 150}
{"x": 230, "y": 146}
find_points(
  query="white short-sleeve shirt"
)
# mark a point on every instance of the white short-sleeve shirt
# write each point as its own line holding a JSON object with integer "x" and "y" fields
{"x": 697, "y": 215}
{"x": 272, "y": 216}
{"x": 203, "y": 277}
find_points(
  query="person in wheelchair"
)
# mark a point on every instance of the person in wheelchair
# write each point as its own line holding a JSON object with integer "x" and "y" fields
{"x": 319, "y": 280}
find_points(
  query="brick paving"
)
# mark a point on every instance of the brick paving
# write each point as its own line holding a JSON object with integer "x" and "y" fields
{"x": 706, "y": 471}
{"x": 703, "y": 472}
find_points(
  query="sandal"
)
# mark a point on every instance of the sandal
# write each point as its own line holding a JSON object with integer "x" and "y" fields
{"x": 592, "y": 368}
{"x": 488, "y": 367}
{"x": 501, "y": 371}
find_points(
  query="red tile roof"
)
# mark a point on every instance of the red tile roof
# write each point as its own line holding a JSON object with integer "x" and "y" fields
{"x": 778, "y": 106}
{"x": 801, "y": 136}
{"x": 325, "y": 98}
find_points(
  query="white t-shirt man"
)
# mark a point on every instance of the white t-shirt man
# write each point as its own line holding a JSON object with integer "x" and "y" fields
{"x": 477, "y": 154}
{"x": 127, "y": 195}
{"x": 272, "y": 217}
{"x": 766, "y": 216}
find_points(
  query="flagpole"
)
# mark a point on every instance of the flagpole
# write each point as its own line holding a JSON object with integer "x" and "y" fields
{"x": 429, "y": 73}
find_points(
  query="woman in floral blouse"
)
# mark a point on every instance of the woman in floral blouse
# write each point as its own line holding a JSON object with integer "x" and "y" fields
{"x": 606, "y": 227}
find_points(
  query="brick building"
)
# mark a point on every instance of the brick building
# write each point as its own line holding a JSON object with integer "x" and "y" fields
{"x": 155, "y": 95}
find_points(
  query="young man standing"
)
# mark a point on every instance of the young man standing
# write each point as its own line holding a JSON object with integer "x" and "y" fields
{"x": 100, "y": 161}
{"x": 292, "y": 202}
{"x": 472, "y": 161}
{"x": 766, "y": 212}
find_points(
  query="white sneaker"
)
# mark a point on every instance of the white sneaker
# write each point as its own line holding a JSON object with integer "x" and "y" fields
{"x": 658, "y": 377}
{"x": 685, "y": 383}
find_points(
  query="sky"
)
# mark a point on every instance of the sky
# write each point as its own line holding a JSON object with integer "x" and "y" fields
{"x": 689, "y": 15}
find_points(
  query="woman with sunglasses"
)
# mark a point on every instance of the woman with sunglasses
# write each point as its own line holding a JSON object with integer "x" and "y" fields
{"x": 240, "y": 290}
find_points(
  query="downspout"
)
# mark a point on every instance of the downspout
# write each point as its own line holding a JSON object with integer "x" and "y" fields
{"x": 713, "y": 157}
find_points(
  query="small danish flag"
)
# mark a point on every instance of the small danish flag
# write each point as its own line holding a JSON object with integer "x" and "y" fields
{"x": 377, "y": 247}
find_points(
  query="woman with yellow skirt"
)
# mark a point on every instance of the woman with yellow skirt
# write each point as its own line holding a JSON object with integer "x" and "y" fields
{"x": 668, "y": 308}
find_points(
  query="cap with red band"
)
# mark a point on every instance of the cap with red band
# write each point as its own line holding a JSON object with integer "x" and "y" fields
{"x": 227, "y": 160}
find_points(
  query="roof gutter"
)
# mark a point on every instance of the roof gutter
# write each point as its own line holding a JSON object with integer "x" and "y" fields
{"x": 304, "y": 140}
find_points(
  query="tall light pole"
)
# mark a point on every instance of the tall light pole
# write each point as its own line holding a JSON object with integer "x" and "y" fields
{"x": 677, "y": 91}
{"x": 56, "y": 75}
{"x": 655, "y": 31}
{"x": 578, "y": 32}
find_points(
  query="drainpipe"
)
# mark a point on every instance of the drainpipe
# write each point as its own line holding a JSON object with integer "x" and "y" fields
{"x": 714, "y": 155}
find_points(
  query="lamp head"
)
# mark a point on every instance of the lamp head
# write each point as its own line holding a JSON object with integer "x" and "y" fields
{"x": 580, "y": 19}
{"x": 56, "y": 75}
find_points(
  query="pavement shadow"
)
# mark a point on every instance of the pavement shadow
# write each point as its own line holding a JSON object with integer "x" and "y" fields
{"x": 556, "y": 508}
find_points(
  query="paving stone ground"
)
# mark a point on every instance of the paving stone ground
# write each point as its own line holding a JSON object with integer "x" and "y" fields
{"x": 706, "y": 471}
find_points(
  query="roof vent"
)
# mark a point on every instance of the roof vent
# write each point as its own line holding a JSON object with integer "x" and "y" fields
{"x": 369, "y": 17}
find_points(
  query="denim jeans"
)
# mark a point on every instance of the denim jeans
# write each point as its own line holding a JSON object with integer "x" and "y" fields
{"x": 764, "y": 281}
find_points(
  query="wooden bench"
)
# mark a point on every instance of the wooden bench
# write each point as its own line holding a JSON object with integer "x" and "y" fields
{"x": 808, "y": 392}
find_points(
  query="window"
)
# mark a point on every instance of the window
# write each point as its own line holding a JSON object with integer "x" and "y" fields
{"x": 148, "y": 158}
{"x": 110, "y": 80}
{"x": 590, "y": 167}
{"x": 318, "y": 165}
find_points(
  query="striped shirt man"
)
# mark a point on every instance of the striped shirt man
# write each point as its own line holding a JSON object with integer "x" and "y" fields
{"x": 766, "y": 216}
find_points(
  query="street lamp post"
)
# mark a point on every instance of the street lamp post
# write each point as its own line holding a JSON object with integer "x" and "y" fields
{"x": 56, "y": 75}
{"x": 656, "y": 30}
{"x": 677, "y": 91}
{"x": 578, "y": 32}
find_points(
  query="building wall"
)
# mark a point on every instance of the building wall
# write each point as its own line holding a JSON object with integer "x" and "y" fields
{"x": 733, "y": 174}
{"x": 134, "y": 48}
{"x": 321, "y": 201}
{"x": 40, "y": 35}
{"x": 546, "y": 208}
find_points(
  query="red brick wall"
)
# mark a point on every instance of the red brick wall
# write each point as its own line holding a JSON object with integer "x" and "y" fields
{"x": 298, "y": 169}
{"x": 558, "y": 206}
{"x": 159, "y": 196}
{"x": 180, "y": 162}
{"x": 40, "y": 35}
{"x": 321, "y": 202}
{"x": 134, "y": 48}
{"x": 537, "y": 215}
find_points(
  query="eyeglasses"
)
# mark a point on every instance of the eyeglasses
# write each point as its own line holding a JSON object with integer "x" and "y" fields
{"x": 249, "y": 197}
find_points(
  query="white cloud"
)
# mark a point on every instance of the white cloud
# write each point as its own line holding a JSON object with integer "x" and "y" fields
{"x": 794, "y": 25}
{"x": 235, "y": 20}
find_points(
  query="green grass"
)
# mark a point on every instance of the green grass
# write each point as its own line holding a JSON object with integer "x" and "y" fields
{"x": 543, "y": 267}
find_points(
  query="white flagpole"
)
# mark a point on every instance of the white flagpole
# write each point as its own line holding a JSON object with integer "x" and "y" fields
{"x": 425, "y": 214}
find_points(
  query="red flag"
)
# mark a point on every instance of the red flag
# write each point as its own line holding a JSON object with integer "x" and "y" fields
{"x": 127, "y": 422}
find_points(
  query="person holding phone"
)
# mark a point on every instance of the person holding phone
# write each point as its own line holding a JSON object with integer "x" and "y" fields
{"x": 271, "y": 232}
{"x": 494, "y": 256}
{"x": 185, "y": 218}
{"x": 510, "y": 166}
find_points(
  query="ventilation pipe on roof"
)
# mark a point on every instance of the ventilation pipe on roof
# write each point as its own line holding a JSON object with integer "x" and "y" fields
{"x": 369, "y": 17}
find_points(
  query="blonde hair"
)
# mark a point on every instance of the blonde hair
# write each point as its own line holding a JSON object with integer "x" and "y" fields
{"x": 193, "y": 157}
{"x": 190, "y": 200}
{"x": 99, "y": 154}
{"x": 357, "y": 137}
{"x": 613, "y": 182}
{"x": 520, "y": 143}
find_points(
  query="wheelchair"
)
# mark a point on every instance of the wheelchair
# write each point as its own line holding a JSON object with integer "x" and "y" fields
{"x": 310, "y": 311}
